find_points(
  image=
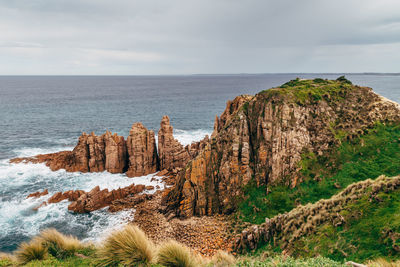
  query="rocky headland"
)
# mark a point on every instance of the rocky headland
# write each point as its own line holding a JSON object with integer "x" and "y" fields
{"x": 270, "y": 148}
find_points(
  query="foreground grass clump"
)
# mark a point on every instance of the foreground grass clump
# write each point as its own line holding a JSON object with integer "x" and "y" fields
{"x": 223, "y": 259}
{"x": 368, "y": 156}
{"x": 29, "y": 251}
{"x": 129, "y": 247}
{"x": 173, "y": 254}
{"x": 59, "y": 245}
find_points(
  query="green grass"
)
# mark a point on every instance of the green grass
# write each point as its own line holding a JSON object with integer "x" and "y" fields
{"x": 304, "y": 92}
{"x": 280, "y": 261}
{"x": 370, "y": 231}
{"x": 371, "y": 155}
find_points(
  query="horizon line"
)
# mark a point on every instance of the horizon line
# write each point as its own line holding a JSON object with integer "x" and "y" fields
{"x": 211, "y": 74}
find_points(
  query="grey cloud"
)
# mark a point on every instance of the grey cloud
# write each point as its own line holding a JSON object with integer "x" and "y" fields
{"x": 209, "y": 36}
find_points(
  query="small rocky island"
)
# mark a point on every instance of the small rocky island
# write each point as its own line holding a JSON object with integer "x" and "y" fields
{"x": 276, "y": 141}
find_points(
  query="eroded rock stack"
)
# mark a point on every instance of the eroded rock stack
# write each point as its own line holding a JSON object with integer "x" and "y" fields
{"x": 142, "y": 151}
{"x": 136, "y": 156}
{"x": 172, "y": 154}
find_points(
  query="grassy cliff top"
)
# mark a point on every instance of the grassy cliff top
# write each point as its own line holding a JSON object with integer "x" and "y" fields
{"x": 304, "y": 92}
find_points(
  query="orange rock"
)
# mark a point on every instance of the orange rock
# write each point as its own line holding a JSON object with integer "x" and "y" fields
{"x": 38, "y": 194}
{"x": 142, "y": 151}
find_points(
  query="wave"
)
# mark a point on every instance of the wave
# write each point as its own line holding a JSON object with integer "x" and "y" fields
{"x": 20, "y": 221}
{"x": 187, "y": 137}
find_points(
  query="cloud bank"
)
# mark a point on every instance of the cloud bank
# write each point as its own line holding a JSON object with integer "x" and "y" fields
{"x": 131, "y": 37}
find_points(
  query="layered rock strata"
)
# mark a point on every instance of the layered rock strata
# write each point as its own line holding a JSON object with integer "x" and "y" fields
{"x": 97, "y": 199}
{"x": 261, "y": 139}
{"x": 84, "y": 202}
{"x": 142, "y": 151}
{"x": 172, "y": 154}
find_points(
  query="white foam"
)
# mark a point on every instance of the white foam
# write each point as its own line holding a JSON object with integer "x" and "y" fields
{"x": 33, "y": 151}
{"x": 17, "y": 214}
{"x": 187, "y": 137}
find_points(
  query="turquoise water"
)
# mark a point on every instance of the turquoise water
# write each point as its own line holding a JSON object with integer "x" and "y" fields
{"x": 41, "y": 114}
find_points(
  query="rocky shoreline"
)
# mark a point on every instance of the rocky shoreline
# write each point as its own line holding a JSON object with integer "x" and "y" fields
{"x": 257, "y": 141}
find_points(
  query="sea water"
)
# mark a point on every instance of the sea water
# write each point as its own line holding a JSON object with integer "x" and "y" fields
{"x": 44, "y": 114}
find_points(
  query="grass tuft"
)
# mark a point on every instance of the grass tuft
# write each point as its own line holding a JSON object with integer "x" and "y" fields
{"x": 129, "y": 246}
{"x": 381, "y": 262}
{"x": 223, "y": 259}
{"x": 173, "y": 254}
{"x": 33, "y": 250}
{"x": 59, "y": 245}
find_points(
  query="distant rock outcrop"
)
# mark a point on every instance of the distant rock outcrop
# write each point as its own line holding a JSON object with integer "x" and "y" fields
{"x": 137, "y": 156}
{"x": 261, "y": 139}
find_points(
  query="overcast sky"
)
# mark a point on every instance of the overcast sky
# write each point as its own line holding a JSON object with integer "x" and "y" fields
{"x": 205, "y": 36}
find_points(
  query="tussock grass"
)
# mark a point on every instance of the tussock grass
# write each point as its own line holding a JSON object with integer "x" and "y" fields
{"x": 173, "y": 254}
{"x": 29, "y": 251}
{"x": 129, "y": 246}
{"x": 59, "y": 245}
{"x": 223, "y": 259}
{"x": 381, "y": 262}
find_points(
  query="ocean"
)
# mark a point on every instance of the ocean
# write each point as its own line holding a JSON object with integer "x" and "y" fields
{"x": 43, "y": 114}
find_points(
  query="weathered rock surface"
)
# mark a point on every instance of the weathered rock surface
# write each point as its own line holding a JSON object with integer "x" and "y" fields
{"x": 97, "y": 199}
{"x": 142, "y": 151}
{"x": 171, "y": 153}
{"x": 261, "y": 139}
{"x": 71, "y": 195}
{"x": 38, "y": 194}
{"x": 136, "y": 156}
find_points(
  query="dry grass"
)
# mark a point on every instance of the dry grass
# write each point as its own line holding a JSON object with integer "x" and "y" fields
{"x": 58, "y": 244}
{"x": 223, "y": 259}
{"x": 383, "y": 263}
{"x": 7, "y": 257}
{"x": 33, "y": 250}
{"x": 129, "y": 246}
{"x": 174, "y": 254}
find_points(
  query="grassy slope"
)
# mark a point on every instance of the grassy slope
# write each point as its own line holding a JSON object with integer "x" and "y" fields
{"x": 368, "y": 157}
{"x": 371, "y": 231}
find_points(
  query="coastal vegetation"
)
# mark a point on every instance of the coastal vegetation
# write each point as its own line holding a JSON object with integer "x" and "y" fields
{"x": 330, "y": 195}
{"x": 373, "y": 154}
{"x": 131, "y": 247}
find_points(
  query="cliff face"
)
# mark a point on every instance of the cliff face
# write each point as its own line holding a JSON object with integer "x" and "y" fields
{"x": 261, "y": 139}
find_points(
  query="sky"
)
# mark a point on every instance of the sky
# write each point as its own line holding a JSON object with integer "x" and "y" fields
{"x": 151, "y": 37}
